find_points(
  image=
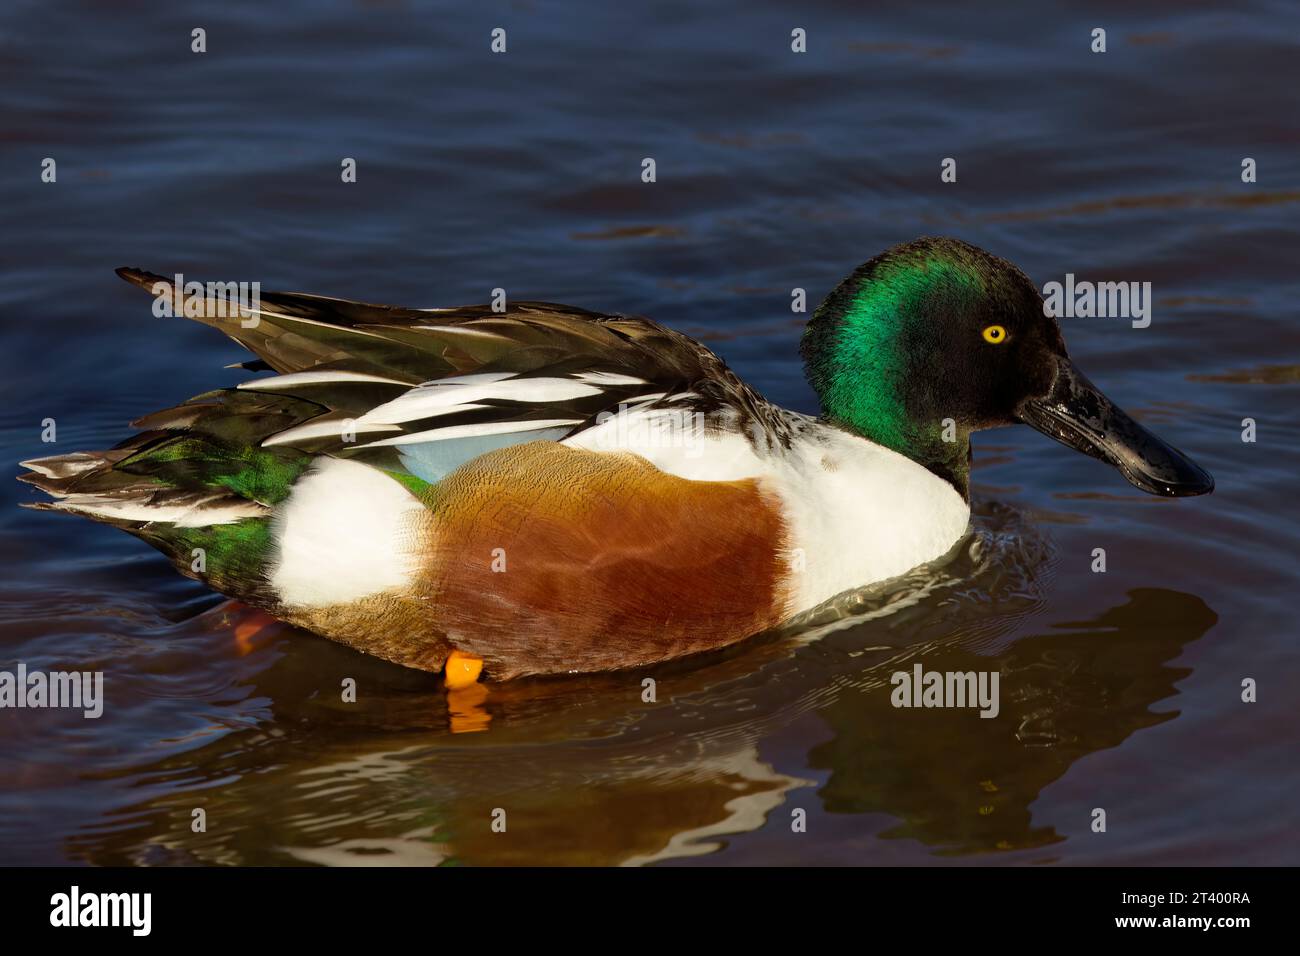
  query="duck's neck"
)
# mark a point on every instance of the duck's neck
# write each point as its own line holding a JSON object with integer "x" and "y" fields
{"x": 943, "y": 448}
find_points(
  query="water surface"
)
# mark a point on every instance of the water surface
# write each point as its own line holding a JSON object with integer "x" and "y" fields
{"x": 775, "y": 170}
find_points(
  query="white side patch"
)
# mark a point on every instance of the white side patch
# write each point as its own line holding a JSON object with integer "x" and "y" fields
{"x": 346, "y": 531}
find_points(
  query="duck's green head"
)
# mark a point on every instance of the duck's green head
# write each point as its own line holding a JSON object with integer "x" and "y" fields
{"x": 935, "y": 339}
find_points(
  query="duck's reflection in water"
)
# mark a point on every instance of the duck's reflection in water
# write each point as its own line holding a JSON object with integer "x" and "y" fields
{"x": 962, "y": 784}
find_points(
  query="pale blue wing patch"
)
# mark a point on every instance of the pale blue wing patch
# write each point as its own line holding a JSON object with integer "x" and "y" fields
{"x": 434, "y": 460}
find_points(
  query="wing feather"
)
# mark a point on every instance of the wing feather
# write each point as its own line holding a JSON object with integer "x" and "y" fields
{"x": 469, "y": 371}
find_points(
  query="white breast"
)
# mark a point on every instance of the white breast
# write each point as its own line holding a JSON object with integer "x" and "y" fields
{"x": 858, "y": 513}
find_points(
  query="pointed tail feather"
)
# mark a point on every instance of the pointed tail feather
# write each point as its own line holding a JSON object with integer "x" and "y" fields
{"x": 202, "y": 504}
{"x": 88, "y": 484}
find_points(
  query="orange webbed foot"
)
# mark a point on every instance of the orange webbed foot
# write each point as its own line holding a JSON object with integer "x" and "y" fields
{"x": 465, "y": 695}
{"x": 462, "y": 670}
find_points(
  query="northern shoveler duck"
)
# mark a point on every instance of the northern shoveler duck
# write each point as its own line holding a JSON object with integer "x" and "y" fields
{"x": 550, "y": 490}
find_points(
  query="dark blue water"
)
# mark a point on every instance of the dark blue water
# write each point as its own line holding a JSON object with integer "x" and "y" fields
{"x": 775, "y": 170}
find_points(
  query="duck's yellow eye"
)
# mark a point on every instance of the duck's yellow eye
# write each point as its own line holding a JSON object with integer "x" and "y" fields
{"x": 995, "y": 334}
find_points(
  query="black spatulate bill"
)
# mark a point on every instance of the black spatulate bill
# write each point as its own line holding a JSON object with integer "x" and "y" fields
{"x": 1077, "y": 414}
